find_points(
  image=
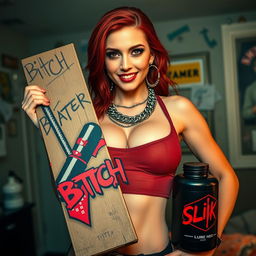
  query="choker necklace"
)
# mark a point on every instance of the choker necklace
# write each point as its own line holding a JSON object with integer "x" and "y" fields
{"x": 132, "y": 106}
{"x": 128, "y": 121}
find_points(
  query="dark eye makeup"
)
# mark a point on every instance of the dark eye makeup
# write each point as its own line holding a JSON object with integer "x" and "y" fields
{"x": 137, "y": 51}
{"x": 112, "y": 54}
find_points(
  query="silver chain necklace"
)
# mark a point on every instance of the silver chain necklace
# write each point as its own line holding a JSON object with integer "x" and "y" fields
{"x": 128, "y": 121}
{"x": 132, "y": 106}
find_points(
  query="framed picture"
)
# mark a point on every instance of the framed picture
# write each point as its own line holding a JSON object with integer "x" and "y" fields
{"x": 5, "y": 86}
{"x": 188, "y": 70}
{"x": 10, "y": 61}
{"x": 239, "y": 52}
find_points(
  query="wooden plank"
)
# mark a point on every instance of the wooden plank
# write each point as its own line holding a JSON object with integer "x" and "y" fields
{"x": 93, "y": 205}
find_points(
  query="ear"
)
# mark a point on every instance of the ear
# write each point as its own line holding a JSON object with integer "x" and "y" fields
{"x": 151, "y": 59}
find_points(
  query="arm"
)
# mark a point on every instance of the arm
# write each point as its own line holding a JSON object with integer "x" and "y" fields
{"x": 198, "y": 137}
{"x": 33, "y": 97}
{"x": 193, "y": 128}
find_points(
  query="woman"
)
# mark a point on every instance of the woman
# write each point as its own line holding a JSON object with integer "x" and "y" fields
{"x": 127, "y": 66}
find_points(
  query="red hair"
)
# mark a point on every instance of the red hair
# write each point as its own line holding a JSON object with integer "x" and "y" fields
{"x": 99, "y": 83}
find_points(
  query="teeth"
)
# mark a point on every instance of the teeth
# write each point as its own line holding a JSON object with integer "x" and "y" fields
{"x": 128, "y": 76}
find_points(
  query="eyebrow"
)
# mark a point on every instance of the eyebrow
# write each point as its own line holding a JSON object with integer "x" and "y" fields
{"x": 131, "y": 48}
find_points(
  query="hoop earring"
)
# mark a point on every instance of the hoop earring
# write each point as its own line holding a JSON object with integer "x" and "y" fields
{"x": 112, "y": 85}
{"x": 158, "y": 77}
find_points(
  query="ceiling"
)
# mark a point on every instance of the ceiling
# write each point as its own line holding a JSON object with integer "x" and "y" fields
{"x": 34, "y": 17}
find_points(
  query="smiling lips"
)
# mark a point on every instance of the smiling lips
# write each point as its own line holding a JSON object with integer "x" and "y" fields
{"x": 126, "y": 78}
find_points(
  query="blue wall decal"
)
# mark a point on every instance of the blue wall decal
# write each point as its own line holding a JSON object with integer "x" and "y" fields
{"x": 171, "y": 36}
{"x": 210, "y": 42}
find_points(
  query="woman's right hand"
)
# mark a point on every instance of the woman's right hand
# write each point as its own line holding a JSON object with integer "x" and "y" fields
{"x": 34, "y": 96}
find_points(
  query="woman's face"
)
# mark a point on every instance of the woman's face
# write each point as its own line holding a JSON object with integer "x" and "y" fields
{"x": 127, "y": 58}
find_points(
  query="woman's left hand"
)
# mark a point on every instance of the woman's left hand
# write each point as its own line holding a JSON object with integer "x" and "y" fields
{"x": 182, "y": 253}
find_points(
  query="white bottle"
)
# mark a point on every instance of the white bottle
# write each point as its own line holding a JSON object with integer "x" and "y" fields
{"x": 12, "y": 193}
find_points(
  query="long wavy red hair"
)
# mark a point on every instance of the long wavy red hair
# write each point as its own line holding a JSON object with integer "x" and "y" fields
{"x": 99, "y": 83}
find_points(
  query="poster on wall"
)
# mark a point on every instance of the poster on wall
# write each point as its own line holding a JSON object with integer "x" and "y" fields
{"x": 188, "y": 70}
{"x": 5, "y": 86}
{"x": 239, "y": 51}
{"x": 246, "y": 53}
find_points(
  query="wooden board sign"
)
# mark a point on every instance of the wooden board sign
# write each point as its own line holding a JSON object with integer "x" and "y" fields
{"x": 85, "y": 177}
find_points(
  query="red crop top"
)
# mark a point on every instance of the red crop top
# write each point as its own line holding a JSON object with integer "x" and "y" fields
{"x": 150, "y": 168}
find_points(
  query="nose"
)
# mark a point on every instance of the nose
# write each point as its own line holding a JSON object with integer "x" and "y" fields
{"x": 125, "y": 63}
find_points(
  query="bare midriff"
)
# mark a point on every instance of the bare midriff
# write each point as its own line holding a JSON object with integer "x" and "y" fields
{"x": 148, "y": 217}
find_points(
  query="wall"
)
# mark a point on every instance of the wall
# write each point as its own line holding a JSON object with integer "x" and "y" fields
{"x": 18, "y": 145}
{"x": 14, "y": 144}
{"x": 21, "y": 154}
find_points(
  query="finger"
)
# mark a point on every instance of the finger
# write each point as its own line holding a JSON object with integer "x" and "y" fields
{"x": 31, "y": 105}
{"x": 34, "y": 95}
{"x": 30, "y": 91}
{"x": 33, "y": 89}
{"x": 30, "y": 109}
{"x": 32, "y": 102}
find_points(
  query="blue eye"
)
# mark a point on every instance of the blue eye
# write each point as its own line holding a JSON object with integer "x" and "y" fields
{"x": 112, "y": 54}
{"x": 137, "y": 51}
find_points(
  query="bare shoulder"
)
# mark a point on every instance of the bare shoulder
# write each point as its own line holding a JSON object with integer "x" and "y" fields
{"x": 181, "y": 111}
{"x": 178, "y": 104}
